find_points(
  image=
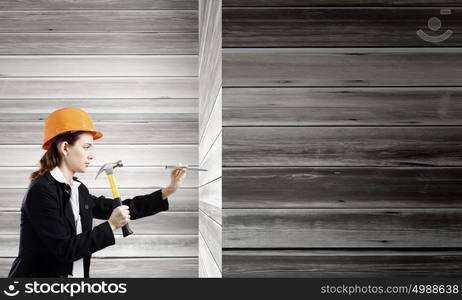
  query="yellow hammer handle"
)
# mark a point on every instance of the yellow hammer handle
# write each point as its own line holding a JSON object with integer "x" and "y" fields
{"x": 115, "y": 191}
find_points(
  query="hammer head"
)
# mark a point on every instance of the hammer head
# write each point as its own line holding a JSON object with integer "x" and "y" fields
{"x": 108, "y": 168}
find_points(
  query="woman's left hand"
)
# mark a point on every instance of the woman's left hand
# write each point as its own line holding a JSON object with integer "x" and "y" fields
{"x": 177, "y": 176}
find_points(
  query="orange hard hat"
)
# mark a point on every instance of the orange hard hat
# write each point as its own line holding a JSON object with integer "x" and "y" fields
{"x": 65, "y": 120}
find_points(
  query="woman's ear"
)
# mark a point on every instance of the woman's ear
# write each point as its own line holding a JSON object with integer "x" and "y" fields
{"x": 63, "y": 148}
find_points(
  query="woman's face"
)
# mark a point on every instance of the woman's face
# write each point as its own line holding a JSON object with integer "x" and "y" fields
{"x": 78, "y": 156}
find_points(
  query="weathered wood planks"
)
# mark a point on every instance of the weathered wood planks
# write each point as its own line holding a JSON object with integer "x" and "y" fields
{"x": 132, "y": 267}
{"x": 110, "y": 43}
{"x": 99, "y": 87}
{"x": 97, "y": 66}
{"x": 337, "y": 187}
{"x": 159, "y": 21}
{"x": 352, "y": 67}
{"x": 342, "y": 146}
{"x": 130, "y": 177}
{"x": 96, "y": 4}
{"x": 337, "y": 27}
{"x": 17, "y": 133}
{"x": 161, "y": 223}
{"x": 184, "y": 199}
{"x": 137, "y": 246}
{"x": 338, "y": 228}
{"x": 340, "y": 263}
{"x": 210, "y": 149}
{"x": 359, "y": 106}
{"x": 131, "y": 155}
{"x": 337, "y": 3}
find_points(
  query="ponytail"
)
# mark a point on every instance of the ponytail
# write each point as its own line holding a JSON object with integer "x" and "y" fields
{"x": 52, "y": 158}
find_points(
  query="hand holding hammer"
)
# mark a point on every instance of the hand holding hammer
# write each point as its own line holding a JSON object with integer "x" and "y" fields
{"x": 121, "y": 215}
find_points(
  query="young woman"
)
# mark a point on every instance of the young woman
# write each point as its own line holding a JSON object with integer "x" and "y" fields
{"x": 56, "y": 237}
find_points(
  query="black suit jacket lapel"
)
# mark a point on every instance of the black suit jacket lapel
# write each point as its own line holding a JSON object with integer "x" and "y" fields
{"x": 68, "y": 207}
{"x": 84, "y": 216}
{"x": 64, "y": 192}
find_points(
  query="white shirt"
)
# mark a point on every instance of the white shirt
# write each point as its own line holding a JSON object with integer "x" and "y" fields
{"x": 77, "y": 270}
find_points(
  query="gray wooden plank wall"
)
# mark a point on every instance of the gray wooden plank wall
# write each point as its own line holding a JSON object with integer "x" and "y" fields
{"x": 133, "y": 65}
{"x": 210, "y": 109}
{"x": 341, "y": 139}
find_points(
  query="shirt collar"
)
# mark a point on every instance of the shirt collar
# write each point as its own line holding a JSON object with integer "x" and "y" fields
{"x": 59, "y": 176}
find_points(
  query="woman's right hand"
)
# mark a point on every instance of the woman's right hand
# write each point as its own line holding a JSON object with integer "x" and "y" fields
{"x": 120, "y": 216}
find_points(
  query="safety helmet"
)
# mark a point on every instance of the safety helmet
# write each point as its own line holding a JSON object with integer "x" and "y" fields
{"x": 65, "y": 120}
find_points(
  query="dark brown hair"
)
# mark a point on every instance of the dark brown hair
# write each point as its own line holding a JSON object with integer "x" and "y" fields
{"x": 52, "y": 157}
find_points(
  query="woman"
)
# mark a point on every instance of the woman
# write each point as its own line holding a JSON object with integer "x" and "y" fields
{"x": 56, "y": 238}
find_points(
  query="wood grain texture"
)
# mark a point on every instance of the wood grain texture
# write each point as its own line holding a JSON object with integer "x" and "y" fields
{"x": 308, "y": 3}
{"x": 210, "y": 196}
{"x": 409, "y": 187}
{"x": 354, "y": 75}
{"x": 128, "y": 177}
{"x": 202, "y": 272}
{"x": 159, "y": 21}
{"x": 337, "y": 228}
{"x": 212, "y": 235}
{"x": 131, "y": 267}
{"x": 183, "y": 223}
{"x": 343, "y": 264}
{"x": 133, "y": 110}
{"x": 161, "y": 223}
{"x": 209, "y": 27}
{"x": 131, "y": 155}
{"x": 99, "y": 87}
{"x": 98, "y": 43}
{"x": 342, "y": 146}
{"x": 208, "y": 266}
{"x": 97, "y": 65}
{"x": 184, "y": 199}
{"x": 336, "y": 27}
{"x": 133, "y": 66}
{"x": 341, "y": 106}
{"x": 210, "y": 58}
{"x": 342, "y": 67}
{"x": 209, "y": 136}
{"x": 144, "y": 267}
{"x": 208, "y": 101}
{"x": 17, "y": 133}
{"x": 212, "y": 162}
{"x": 135, "y": 246}
{"x": 96, "y": 4}
{"x": 211, "y": 128}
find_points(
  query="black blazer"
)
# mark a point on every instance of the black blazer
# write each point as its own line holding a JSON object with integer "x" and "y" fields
{"x": 48, "y": 244}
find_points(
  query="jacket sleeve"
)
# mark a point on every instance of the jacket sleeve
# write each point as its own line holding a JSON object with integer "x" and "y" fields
{"x": 41, "y": 207}
{"x": 139, "y": 206}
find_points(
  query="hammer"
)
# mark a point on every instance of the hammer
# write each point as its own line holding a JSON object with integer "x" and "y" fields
{"x": 109, "y": 169}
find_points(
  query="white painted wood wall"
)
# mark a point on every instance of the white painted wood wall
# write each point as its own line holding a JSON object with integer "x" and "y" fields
{"x": 210, "y": 208}
{"x": 133, "y": 65}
